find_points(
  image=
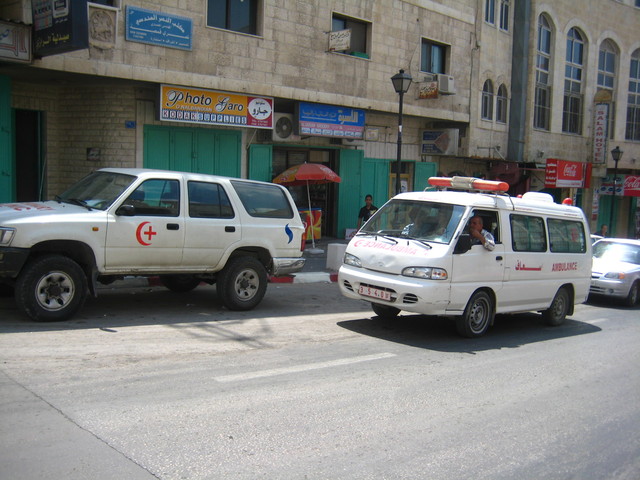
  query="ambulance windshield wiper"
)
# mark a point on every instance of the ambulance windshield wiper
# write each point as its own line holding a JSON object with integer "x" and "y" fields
{"x": 376, "y": 235}
{"x": 423, "y": 242}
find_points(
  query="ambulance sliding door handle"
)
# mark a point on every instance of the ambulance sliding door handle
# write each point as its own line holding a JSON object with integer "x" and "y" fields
{"x": 499, "y": 258}
{"x": 173, "y": 226}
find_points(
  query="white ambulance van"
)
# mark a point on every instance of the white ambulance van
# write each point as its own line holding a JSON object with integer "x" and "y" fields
{"x": 416, "y": 254}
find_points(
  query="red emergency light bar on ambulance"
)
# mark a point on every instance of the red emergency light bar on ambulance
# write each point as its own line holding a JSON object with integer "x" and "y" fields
{"x": 469, "y": 183}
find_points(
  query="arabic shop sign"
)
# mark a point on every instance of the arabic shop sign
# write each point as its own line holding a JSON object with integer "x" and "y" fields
{"x": 157, "y": 28}
{"x": 208, "y": 107}
{"x": 59, "y": 26}
{"x": 15, "y": 42}
{"x": 317, "y": 120}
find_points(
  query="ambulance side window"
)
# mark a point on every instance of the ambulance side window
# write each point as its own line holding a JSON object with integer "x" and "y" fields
{"x": 208, "y": 200}
{"x": 528, "y": 234}
{"x": 566, "y": 236}
{"x": 490, "y": 223}
{"x": 158, "y": 197}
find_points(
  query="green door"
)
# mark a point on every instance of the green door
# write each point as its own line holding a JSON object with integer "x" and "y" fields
{"x": 7, "y": 192}
{"x": 422, "y": 172}
{"x": 349, "y": 190}
{"x": 260, "y": 158}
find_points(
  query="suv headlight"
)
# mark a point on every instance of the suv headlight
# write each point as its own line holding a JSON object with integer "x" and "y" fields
{"x": 431, "y": 273}
{"x": 6, "y": 235}
{"x": 351, "y": 260}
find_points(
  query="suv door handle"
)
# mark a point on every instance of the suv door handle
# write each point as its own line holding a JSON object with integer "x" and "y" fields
{"x": 499, "y": 258}
{"x": 173, "y": 226}
{"x": 230, "y": 229}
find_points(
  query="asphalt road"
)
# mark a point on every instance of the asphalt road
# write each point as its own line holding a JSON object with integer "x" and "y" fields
{"x": 148, "y": 384}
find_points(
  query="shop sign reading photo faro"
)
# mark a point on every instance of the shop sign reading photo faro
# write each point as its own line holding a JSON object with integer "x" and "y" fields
{"x": 209, "y": 107}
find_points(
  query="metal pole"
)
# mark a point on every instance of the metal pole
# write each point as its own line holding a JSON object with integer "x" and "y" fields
{"x": 613, "y": 198}
{"x": 398, "y": 161}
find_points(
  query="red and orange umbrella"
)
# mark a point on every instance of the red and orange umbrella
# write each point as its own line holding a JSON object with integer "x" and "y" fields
{"x": 306, "y": 174}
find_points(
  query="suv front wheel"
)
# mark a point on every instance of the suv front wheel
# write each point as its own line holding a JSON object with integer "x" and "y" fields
{"x": 242, "y": 283}
{"x": 51, "y": 288}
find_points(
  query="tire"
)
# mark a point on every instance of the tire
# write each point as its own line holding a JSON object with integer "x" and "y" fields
{"x": 6, "y": 291}
{"x": 557, "y": 312}
{"x": 242, "y": 283}
{"x": 477, "y": 316}
{"x": 385, "y": 311}
{"x": 634, "y": 295}
{"x": 51, "y": 288}
{"x": 179, "y": 283}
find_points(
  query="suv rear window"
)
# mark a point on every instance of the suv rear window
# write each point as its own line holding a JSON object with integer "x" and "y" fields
{"x": 267, "y": 201}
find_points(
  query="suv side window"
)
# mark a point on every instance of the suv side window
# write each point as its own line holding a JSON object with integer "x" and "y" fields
{"x": 208, "y": 200}
{"x": 156, "y": 198}
{"x": 527, "y": 234}
{"x": 267, "y": 201}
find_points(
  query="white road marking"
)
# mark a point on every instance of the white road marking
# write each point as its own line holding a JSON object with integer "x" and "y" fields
{"x": 301, "y": 368}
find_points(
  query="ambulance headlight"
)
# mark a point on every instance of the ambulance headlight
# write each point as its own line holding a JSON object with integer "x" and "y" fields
{"x": 430, "y": 273}
{"x": 6, "y": 235}
{"x": 352, "y": 260}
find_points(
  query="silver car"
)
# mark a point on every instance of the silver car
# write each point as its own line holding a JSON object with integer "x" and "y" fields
{"x": 616, "y": 269}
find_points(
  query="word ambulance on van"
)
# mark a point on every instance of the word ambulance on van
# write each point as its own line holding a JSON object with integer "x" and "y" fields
{"x": 417, "y": 254}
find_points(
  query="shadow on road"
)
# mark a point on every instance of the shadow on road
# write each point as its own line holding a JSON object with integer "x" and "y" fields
{"x": 158, "y": 306}
{"x": 439, "y": 333}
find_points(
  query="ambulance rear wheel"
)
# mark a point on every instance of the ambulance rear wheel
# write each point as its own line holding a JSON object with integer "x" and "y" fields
{"x": 477, "y": 316}
{"x": 385, "y": 311}
{"x": 558, "y": 310}
{"x": 242, "y": 283}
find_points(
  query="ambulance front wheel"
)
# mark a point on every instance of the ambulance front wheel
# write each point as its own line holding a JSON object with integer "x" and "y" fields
{"x": 477, "y": 316}
{"x": 385, "y": 311}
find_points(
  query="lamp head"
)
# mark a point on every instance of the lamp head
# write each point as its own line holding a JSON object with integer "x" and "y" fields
{"x": 401, "y": 81}
{"x": 616, "y": 153}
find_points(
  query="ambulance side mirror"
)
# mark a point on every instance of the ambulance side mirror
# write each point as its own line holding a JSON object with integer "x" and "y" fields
{"x": 464, "y": 244}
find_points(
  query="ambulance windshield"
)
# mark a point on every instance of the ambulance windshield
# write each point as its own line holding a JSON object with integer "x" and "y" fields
{"x": 427, "y": 221}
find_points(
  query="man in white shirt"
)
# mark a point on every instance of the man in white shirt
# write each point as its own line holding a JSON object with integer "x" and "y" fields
{"x": 479, "y": 235}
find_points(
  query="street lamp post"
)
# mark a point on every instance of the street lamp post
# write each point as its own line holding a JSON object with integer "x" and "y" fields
{"x": 401, "y": 82}
{"x": 616, "y": 154}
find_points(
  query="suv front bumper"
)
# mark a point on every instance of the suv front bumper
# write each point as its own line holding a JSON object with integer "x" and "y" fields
{"x": 12, "y": 260}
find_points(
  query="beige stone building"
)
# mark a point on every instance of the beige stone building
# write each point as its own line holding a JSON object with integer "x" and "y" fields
{"x": 174, "y": 84}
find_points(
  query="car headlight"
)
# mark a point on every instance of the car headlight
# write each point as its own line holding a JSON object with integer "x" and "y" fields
{"x": 430, "y": 273}
{"x": 6, "y": 235}
{"x": 352, "y": 260}
{"x": 615, "y": 275}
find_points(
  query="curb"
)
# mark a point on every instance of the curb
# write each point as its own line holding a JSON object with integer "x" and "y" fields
{"x": 304, "y": 277}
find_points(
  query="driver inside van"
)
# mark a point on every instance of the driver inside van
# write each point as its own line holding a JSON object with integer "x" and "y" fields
{"x": 479, "y": 235}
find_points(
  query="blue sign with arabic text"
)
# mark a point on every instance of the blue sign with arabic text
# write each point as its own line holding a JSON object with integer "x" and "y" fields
{"x": 157, "y": 28}
{"x": 320, "y": 120}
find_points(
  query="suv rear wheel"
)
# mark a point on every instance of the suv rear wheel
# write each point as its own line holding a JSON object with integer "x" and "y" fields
{"x": 51, "y": 288}
{"x": 242, "y": 283}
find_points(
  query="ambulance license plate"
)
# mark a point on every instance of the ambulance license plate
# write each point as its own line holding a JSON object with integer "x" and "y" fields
{"x": 374, "y": 292}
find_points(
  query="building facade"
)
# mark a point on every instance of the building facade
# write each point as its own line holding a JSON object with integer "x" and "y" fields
{"x": 498, "y": 88}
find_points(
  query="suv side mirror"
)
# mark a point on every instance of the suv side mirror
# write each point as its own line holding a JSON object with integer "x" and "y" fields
{"x": 464, "y": 244}
{"x": 126, "y": 210}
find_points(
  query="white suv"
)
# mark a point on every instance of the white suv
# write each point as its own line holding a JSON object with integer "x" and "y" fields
{"x": 187, "y": 228}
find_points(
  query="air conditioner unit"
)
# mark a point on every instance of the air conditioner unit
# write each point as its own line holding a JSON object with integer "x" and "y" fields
{"x": 446, "y": 85}
{"x": 354, "y": 142}
{"x": 283, "y": 128}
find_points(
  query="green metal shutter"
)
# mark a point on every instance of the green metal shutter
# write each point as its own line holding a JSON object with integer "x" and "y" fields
{"x": 422, "y": 172}
{"x": 351, "y": 162}
{"x": 7, "y": 175}
{"x": 228, "y": 153}
{"x": 260, "y": 157}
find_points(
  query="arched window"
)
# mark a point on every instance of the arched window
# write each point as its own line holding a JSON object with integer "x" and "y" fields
{"x": 542, "y": 102}
{"x": 501, "y": 104}
{"x": 607, "y": 67}
{"x": 632, "y": 131}
{"x": 487, "y": 100}
{"x": 573, "y": 98}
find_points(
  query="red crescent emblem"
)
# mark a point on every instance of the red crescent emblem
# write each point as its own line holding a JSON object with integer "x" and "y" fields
{"x": 139, "y": 234}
